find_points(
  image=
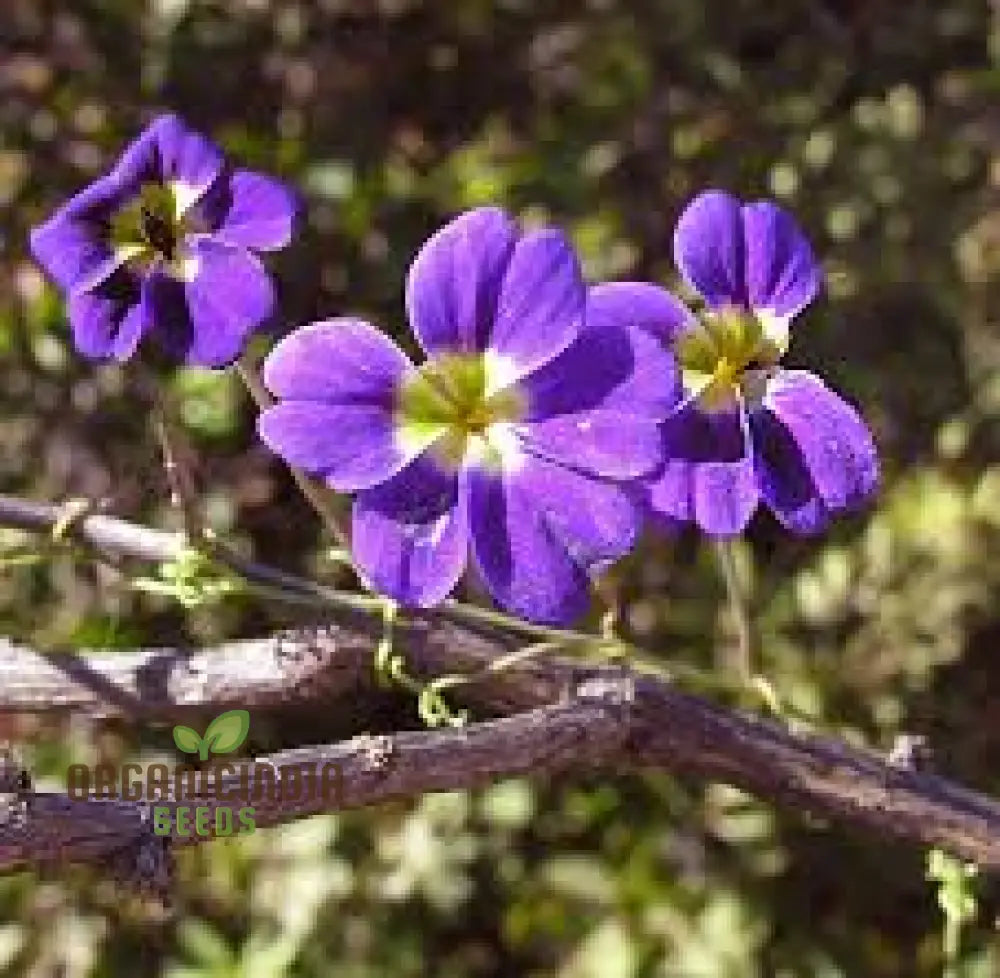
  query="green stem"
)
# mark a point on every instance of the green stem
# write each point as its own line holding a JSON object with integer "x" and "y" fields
{"x": 279, "y": 584}
{"x": 178, "y": 478}
{"x": 739, "y": 606}
{"x": 164, "y": 416}
{"x": 474, "y": 615}
{"x": 952, "y": 946}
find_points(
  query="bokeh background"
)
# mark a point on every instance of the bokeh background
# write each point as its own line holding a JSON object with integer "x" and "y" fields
{"x": 876, "y": 121}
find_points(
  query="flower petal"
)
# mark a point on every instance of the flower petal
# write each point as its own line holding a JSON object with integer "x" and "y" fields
{"x": 638, "y": 305}
{"x": 73, "y": 245}
{"x": 410, "y": 534}
{"x": 605, "y": 443}
{"x": 341, "y": 361}
{"x": 351, "y": 446}
{"x": 538, "y": 529}
{"x": 206, "y": 319}
{"x": 785, "y": 484}
{"x": 614, "y": 364}
{"x": 109, "y": 321}
{"x": 817, "y": 455}
{"x": 782, "y": 274}
{"x": 453, "y": 283}
{"x": 709, "y": 476}
{"x": 709, "y": 249}
{"x": 250, "y": 210}
{"x": 540, "y": 308}
{"x": 168, "y": 152}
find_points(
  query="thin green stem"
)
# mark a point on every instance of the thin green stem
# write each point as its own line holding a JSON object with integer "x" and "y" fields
{"x": 952, "y": 943}
{"x": 164, "y": 418}
{"x": 182, "y": 495}
{"x": 278, "y": 583}
{"x": 314, "y": 493}
{"x": 501, "y": 664}
{"x": 739, "y": 606}
{"x": 474, "y": 615}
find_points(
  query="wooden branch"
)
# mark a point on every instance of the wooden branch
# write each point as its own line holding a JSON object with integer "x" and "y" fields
{"x": 280, "y": 672}
{"x": 613, "y": 724}
{"x": 103, "y": 533}
{"x": 165, "y": 685}
{"x": 372, "y": 770}
{"x": 569, "y": 717}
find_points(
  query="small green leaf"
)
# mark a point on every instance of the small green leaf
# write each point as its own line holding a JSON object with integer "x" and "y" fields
{"x": 187, "y": 739}
{"x": 227, "y": 731}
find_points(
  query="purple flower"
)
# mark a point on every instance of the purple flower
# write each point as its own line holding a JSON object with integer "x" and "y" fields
{"x": 749, "y": 431}
{"x": 165, "y": 245}
{"x": 515, "y": 438}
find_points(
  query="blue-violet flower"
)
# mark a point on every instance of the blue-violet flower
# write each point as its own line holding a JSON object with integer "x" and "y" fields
{"x": 749, "y": 431}
{"x": 165, "y": 245}
{"x": 517, "y": 437}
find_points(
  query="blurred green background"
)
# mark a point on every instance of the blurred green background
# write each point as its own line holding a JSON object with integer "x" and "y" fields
{"x": 876, "y": 121}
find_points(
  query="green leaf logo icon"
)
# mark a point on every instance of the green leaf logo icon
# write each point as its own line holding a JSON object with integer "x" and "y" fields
{"x": 227, "y": 731}
{"x": 224, "y": 734}
{"x": 187, "y": 739}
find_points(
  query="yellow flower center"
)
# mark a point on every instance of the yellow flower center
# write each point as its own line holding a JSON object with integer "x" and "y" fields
{"x": 151, "y": 229}
{"x": 444, "y": 404}
{"x": 716, "y": 355}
